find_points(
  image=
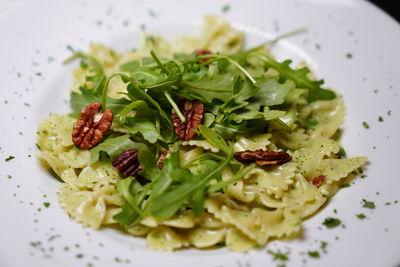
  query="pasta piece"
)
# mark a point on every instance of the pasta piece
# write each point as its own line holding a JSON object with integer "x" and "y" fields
{"x": 165, "y": 239}
{"x": 75, "y": 158}
{"x": 150, "y": 221}
{"x": 54, "y": 134}
{"x": 110, "y": 213}
{"x": 184, "y": 221}
{"x": 253, "y": 142}
{"x": 330, "y": 116}
{"x": 275, "y": 181}
{"x": 304, "y": 198}
{"x": 292, "y": 140}
{"x": 98, "y": 173}
{"x": 88, "y": 207}
{"x": 138, "y": 230}
{"x": 209, "y": 221}
{"x": 238, "y": 242}
{"x": 187, "y": 156}
{"x": 257, "y": 223}
{"x": 244, "y": 190}
{"x": 217, "y": 36}
{"x": 336, "y": 169}
{"x": 309, "y": 158}
{"x": 203, "y": 237}
{"x": 269, "y": 201}
{"x": 201, "y": 143}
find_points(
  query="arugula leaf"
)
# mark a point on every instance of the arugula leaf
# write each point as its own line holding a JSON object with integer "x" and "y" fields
{"x": 299, "y": 77}
{"x": 198, "y": 202}
{"x": 131, "y": 66}
{"x": 271, "y": 92}
{"x": 114, "y": 146}
{"x": 146, "y": 121}
{"x": 148, "y": 161}
{"x": 98, "y": 77}
{"x": 214, "y": 139}
{"x": 133, "y": 193}
{"x": 167, "y": 204}
{"x": 87, "y": 96}
{"x": 165, "y": 177}
{"x": 145, "y": 127}
{"x": 212, "y": 86}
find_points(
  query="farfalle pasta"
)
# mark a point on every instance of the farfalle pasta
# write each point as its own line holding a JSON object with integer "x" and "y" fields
{"x": 197, "y": 191}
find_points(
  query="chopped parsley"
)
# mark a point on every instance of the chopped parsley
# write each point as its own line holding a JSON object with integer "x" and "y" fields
{"x": 349, "y": 55}
{"x": 226, "y": 8}
{"x": 279, "y": 255}
{"x": 10, "y": 158}
{"x": 365, "y": 125}
{"x": 361, "y": 216}
{"x": 331, "y": 222}
{"x": 323, "y": 246}
{"x": 380, "y": 118}
{"x": 313, "y": 254}
{"x": 46, "y": 204}
{"x": 368, "y": 204}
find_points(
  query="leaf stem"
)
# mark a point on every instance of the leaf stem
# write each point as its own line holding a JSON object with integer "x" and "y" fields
{"x": 276, "y": 39}
{"x": 203, "y": 156}
{"x": 105, "y": 89}
{"x": 158, "y": 61}
{"x": 219, "y": 57}
{"x": 175, "y": 107}
{"x": 238, "y": 176}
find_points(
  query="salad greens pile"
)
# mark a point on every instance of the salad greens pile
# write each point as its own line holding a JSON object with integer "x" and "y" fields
{"x": 243, "y": 94}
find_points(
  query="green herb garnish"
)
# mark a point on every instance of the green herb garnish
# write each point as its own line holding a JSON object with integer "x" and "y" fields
{"x": 10, "y": 158}
{"x": 226, "y": 8}
{"x": 361, "y": 216}
{"x": 331, "y": 222}
{"x": 281, "y": 256}
{"x": 368, "y": 204}
{"x": 365, "y": 125}
{"x": 313, "y": 254}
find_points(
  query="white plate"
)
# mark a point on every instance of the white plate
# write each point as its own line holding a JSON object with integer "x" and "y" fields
{"x": 34, "y": 36}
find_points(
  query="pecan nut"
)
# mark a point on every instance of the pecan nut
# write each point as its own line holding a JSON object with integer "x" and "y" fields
{"x": 318, "y": 180}
{"x": 127, "y": 163}
{"x": 262, "y": 157}
{"x": 92, "y": 126}
{"x": 160, "y": 162}
{"x": 202, "y": 53}
{"x": 193, "y": 112}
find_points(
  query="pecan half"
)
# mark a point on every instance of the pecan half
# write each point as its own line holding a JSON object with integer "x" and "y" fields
{"x": 262, "y": 157}
{"x": 193, "y": 112}
{"x": 319, "y": 180}
{"x": 201, "y": 53}
{"x": 127, "y": 163}
{"x": 92, "y": 126}
{"x": 163, "y": 156}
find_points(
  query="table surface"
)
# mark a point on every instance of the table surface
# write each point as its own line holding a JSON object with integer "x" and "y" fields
{"x": 390, "y": 7}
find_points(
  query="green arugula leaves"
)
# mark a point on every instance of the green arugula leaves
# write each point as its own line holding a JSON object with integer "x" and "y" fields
{"x": 299, "y": 77}
{"x": 239, "y": 98}
{"x": 171, "y": 188}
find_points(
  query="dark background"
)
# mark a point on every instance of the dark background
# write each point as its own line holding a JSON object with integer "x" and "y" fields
{"x": 391, "y": 7}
